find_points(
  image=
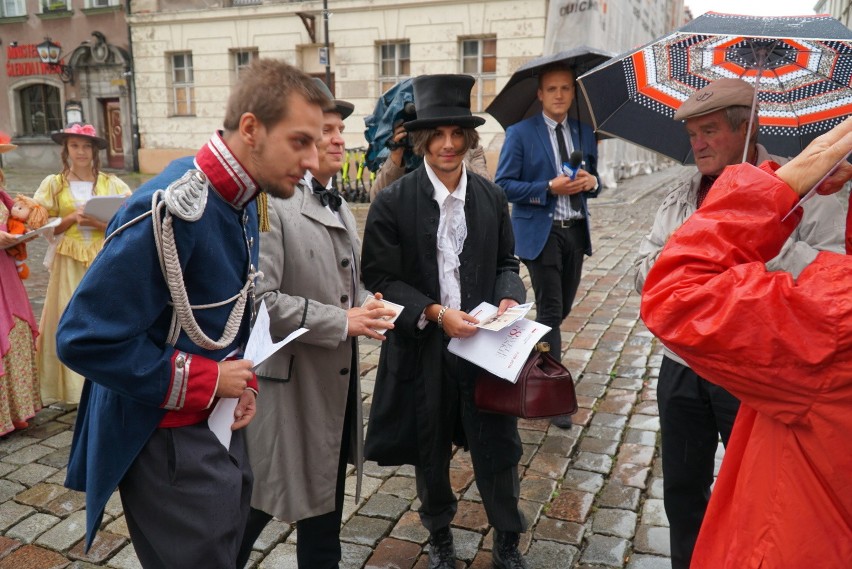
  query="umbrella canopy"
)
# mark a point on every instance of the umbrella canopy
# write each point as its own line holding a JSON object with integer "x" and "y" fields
{"x": 801, "y": 67}
{"x": 519, "y": 98}
{"x": 391, "y": 108}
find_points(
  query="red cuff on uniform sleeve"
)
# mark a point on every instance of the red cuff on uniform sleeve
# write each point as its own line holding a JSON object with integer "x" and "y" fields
{"x": 252, "y": 384}
{"x": 193, "y": 382}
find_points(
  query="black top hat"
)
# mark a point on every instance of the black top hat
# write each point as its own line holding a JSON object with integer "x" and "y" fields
{"x": 443, "y": 100}
{"x": 343, "y": 108}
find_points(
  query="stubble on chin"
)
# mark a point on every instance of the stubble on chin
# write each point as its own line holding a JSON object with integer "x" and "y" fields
{"x": 278, "y": 190}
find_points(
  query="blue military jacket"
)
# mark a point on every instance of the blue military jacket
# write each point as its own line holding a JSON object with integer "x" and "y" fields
{"x": 115, "y": 328}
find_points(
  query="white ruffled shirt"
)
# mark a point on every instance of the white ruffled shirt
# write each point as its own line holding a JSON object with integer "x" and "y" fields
{"x": 452, "y": 232}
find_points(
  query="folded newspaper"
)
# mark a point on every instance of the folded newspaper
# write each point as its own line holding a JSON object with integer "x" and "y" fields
{"x": 501, "y": 352}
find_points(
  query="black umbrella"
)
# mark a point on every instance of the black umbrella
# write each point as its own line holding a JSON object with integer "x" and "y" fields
{"x": 518, "y": 99}
{"x": 801, "y": 67}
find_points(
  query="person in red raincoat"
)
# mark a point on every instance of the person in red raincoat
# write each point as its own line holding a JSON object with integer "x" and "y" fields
{"x": 783, "y": 498}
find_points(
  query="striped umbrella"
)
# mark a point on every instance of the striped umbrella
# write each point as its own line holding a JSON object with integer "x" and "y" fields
{"x": 801, "y": 67}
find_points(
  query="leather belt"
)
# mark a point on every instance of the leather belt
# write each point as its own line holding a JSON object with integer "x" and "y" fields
{"x": 566, "y": 223}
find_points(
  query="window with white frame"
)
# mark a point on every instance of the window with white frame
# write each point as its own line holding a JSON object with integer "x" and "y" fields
{"x": 242, "y": 58}
{"x": 394, "y": 63}
{"x": 479, "y": 59}
{"x": 183, "y": 84}
{"x": 40, "y": 109}
{"x": 54, "y": 6}
{"x": 102, "y": 3}
{"x": 12, "y": 8}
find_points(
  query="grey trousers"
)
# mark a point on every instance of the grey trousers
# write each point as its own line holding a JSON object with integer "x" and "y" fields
{"x": 186, "y": 499}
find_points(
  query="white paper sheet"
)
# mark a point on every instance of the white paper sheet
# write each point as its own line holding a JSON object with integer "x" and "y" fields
{"x": 488, "y": 319}
{"x": 397, "y": 308}
{"x": 47, "y": 228}
{"x": 258, "y": 348}
{"x": 103, "y": 207}
{"x": 502, "y": 352}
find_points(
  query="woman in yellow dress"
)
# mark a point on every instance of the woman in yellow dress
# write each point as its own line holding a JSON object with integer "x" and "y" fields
{"x": 79, "y": 239}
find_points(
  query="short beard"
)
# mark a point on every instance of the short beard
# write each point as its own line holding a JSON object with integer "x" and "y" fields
{"x": 273, "y": 188}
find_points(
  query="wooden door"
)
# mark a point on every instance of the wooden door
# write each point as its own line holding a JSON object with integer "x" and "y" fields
{"x": 114, "y": 133}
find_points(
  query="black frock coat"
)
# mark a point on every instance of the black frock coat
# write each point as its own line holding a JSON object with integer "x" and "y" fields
{"x": 409, "y": 417}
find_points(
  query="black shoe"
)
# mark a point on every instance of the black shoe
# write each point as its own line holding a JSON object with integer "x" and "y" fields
{"x": 505, "y": 554}
{"x": 562, "y": 421}
{"x": 442, "y": 554}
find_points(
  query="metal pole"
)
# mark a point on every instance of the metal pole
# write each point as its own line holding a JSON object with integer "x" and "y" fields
{"x": 327, "y": 48}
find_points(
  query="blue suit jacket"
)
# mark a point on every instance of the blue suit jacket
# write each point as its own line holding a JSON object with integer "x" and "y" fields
{"x": 526, "y": 165}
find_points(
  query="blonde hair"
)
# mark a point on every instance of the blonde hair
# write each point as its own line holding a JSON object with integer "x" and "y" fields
{"x": 38, "y": 213}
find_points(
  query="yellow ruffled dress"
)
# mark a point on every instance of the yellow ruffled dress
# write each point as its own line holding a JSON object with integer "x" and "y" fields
{"x": 75, "y": 251}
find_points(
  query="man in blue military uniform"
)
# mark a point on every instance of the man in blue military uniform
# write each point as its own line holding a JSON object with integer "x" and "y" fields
{"x": 158, "y": 323}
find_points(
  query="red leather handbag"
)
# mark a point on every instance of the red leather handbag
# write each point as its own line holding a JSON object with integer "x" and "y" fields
{"x": 544, "y": 389}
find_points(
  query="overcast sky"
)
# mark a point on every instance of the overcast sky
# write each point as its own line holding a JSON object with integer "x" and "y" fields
{"x": 753, "y": 7}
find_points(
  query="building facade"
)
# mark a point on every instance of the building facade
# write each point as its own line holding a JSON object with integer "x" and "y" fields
{"x": 187, "y": 55}
{"x": 92, "y": 82}
{"x": 840, "y": 9}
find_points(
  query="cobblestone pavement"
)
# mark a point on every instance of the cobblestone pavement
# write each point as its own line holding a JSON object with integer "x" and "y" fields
{"x": 592, "y": 494}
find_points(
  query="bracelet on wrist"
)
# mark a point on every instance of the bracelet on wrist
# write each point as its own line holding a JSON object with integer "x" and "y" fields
{"x": 441, "y": 316}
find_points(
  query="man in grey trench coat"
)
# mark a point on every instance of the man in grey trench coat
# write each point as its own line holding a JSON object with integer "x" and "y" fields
{"x": 310, "y": 420}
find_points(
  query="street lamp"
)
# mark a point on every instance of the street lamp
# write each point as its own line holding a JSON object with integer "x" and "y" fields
{"x": 51, "y": 54}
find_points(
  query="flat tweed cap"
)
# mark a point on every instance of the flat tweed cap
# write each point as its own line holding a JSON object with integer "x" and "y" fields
{"x": 715, "y": 96}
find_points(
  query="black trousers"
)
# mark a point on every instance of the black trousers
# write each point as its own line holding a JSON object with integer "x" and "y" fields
{"x": 186, "y": 499}
{"x": 555, "y": 276}
{"x": 490, "y": 438}
{"x": 318, "y": 544}
{"x": 694, "y": 413}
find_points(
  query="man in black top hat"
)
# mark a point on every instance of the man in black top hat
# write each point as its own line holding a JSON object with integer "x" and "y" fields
{"x": 439, "y": 242}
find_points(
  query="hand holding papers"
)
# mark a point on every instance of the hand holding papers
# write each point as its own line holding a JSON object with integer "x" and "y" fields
{"x": 504, "y": 351}
{"x": 397, "y": 309}
{"x": 495, "y": 322}
{"x": 46, "y": 230}
{"x": 259, "y": 347}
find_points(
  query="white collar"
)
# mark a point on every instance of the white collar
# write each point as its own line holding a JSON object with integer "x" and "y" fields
{"x": 441, "y": 192}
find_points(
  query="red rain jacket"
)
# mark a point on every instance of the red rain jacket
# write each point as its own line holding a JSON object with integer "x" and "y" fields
{"x": 783, "y": 499}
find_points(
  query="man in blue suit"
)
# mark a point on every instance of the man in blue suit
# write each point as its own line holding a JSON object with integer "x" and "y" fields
{"x": 550, "y": 217}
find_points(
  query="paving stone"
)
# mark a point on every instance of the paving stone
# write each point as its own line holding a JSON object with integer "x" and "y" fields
{"x": 14, "y": 443}
{"x": 549, "y": 465}
{"x": 28, "y": 454}
{"x": 410, "y": 528}
{"x": 103, "y": 547}
{"x": 531, "y": 437}
{"x": 282, "y": 557}
{"x": 618, "y": 523}
{"x": 527, "y": 452}
{"x": 654, "y": 513}
{"x": 598, "y": 446}
{"x": 113, "y": 505}
{"x": 46, "y": 430}
{"x": 8, "y": 545}
{"x": 609, "y": 420}
{"x": 28, "y": 529}
{"x": 537, "y": 489}
{"x": 125, "y": 559}
{"x": 651, "y": 539}
{"x": 119, "y": 527}
{"x": 39, "y": 495}
{"x": 399, "y": 486}
{"x": 60, "y": 440}
{"x": 11, "y": 513}
{"x": 636, "y": 454}
{"x": 530, "y": 510}
{"x": 31, "y": 474}
{"x": 394, "y": 554}
{"x": 66, "y": 533}
{"x": 7, "y": 468}
{"x": 57, "y": 459}
{"x": 365, "y": 531}
{"x": 460, "y": 478}
{"x": 630, "y": 474}
{"x": 641, "y": 437}
{"x": 619, "y": 496}
{"x": 571, "y": 505}
{"x": 615, "y": 407}
{"x": 67, "y": 503}
{"x": 595, "y": 462}
{"x": 649, "y": 562}
{"x": 559, "y": 530}
{"x": 655, "y": 488}
{"x": 645, "y": 422}
{"x": 471, "y": 516}
{"x": 353, "y": 556}
{"x": 607, "y": 433}
{"x": 376, "y": 471}
{"x": 369, "y": 486}
{"x": 561, "y": 446}
{"x": 384, "y": 506}
{"x": 605, "y": 550}
{"x": 551, "y": 554}
{"x": 32, "y": 557}
{"x": 9, "y": 489}
{"x": 583, "y": 480}
{"x": 466, "y": 543}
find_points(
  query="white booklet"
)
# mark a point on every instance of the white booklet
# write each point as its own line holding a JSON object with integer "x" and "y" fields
{"x": 103, "y": 207}
{"x": 258, "y": 348}
{"x": 397, "y": 308}
{"x": 502, "y": 352}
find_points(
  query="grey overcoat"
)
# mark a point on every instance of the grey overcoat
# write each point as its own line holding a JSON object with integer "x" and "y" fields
{"x": 294, "y": 441}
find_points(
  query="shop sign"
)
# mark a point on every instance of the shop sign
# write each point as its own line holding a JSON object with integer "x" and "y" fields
{"x": 24, "y": 68}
